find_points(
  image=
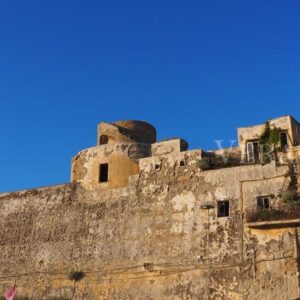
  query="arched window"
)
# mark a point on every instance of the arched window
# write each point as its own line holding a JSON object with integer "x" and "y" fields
{"x": 103, "y": 140}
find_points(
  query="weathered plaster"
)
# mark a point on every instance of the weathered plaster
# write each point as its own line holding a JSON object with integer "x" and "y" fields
{"x": 149, "y": 233}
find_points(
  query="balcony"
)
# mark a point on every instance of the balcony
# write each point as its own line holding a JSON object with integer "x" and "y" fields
{"x": 286, "y": 215}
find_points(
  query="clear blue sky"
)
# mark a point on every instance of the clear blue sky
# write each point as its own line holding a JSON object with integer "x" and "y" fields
{"x": 195, "y": 69}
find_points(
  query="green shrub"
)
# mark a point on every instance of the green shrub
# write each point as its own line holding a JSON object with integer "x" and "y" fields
{"x": 218, "y": 162}
{"x": 271, "y": 214}
{"x": 290, "y": 196}
{"x": 270, "y": 136}
{"x": 204, "y": 163}
{"x": 276, "y": 214}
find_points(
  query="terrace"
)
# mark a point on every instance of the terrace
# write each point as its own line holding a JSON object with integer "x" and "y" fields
{"x": 283, "y": 215}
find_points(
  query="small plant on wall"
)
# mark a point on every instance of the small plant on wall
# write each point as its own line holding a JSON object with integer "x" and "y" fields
{"x": 290, "y": 196}
{"x": 270, "y": 141}
{"x": 218, "y": 162}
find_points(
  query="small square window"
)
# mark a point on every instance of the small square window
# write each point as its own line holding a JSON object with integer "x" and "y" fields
{"x": 223, "y": 209}
{"x": 182, "y": 163}
{"x": 103, "y": 173}
{"x": 157, "y": 167}
{"x": 263, "y": 202}
{"x": 103, "y": 140}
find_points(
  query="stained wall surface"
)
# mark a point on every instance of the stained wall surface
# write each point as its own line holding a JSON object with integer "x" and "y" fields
{"x": 153, "y": 230}
{"x": 286, "y": 123}
{"x": 151, "y": 239}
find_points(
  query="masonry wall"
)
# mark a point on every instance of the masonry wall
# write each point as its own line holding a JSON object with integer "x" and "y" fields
{"x": 287, "y": 123}
{"x": 122, "y": 159}
{"x": 151, "y": 239}
{"x": 296, "y": 131}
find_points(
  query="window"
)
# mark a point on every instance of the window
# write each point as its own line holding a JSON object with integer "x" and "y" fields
{"x": 103, "y": 173}
{"x": 253, "y": 151}
{"x": 182, "y": 163}
{"x": 223, "y": 209}
{"x": 103, "y": 140}
{"x": 284, "y": 141}
{"x": 263, "y": 202}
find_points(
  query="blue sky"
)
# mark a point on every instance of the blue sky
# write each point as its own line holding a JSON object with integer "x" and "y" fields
{"x": 194, "y": 69}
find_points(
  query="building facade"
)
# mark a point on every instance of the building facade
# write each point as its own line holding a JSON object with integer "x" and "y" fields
{"x": 143, "y": 219}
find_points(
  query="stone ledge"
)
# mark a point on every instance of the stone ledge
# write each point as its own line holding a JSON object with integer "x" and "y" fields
{"x": 274, "y": 224}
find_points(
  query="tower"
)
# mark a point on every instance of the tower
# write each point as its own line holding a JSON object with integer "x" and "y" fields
{"x": 115, "y": 158}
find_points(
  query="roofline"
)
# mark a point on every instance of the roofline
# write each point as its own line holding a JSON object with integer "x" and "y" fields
{"x": 273, "y": 119}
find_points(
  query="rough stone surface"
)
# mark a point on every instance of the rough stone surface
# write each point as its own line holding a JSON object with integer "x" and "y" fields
{"x": 151, "y": 237}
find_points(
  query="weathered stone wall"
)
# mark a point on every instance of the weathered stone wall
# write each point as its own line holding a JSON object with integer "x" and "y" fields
{"x": 231, "y": 152}
{"x": 296, "y": 131}
{"x": 151, "y": 239}
{"x": 251, "y": 133}
{"x": 122, "y": 159}
{"x": 126, "y": 132}
{"x": 168, "y": 147}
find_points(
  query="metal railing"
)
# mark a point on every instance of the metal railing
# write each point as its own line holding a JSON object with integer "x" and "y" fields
{"x": 285, "y": 212}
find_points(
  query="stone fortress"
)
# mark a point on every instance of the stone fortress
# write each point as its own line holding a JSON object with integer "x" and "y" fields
{"x": 153, "y": 220}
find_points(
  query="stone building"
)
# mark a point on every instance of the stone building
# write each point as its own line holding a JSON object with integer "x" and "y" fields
{"x": 143, "y": 219}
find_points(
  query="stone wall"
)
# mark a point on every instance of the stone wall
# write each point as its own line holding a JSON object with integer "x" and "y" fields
{"x": 151, "y": 239}
{"x": 286, "y": 123}
{"x": 296, "y": 131}
{"x": 168, "y": 147}
{"x": 126, "y": 132}
{"x": 122, "y": 160}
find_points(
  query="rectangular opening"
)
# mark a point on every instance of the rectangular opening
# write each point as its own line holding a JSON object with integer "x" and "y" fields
{"x": 223, "y": 209}
{"x": 284, "y": 141}
{"x": 253, "y": 151}
{"x": 103, "y": 173}
{"x": 263, "y": 202}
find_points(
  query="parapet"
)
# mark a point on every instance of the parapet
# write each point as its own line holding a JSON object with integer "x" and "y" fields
{"x": 126, "y": 132}
{"x": 175, "y": 145}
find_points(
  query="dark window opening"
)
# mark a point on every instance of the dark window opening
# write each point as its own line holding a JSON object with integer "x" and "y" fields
{"x": 182, "y": 163}
{"x": 103, "y": 173}
{"x": 157, "y": 167}
{"x": 263, "y": 202}
{"x": 103, "y": 140}
{"x": 223, "y": 209}
{"x": 284, "y": 141}
{"x": 149, "y": 266}
{"x": 253, "y": 151}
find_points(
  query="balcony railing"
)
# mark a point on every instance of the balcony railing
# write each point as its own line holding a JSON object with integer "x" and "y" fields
{"x": 285, "y": 212}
